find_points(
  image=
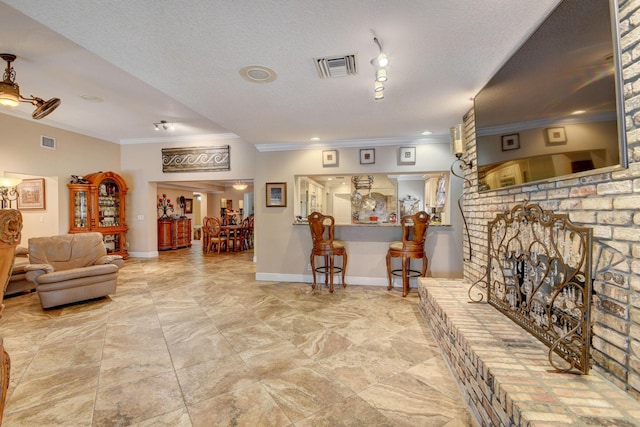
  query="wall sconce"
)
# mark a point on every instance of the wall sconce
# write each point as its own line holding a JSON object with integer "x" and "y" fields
{"x": 10, "y": 92}
{"x": 163, "y": 124}
{"x": 458, "y": 148}
{"x": 8, "y": 190}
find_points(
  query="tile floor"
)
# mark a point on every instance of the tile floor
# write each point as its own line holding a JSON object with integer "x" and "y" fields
{"x": 193, "y": 340}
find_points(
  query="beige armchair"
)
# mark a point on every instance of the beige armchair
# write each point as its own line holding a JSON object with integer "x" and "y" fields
{"x": 72, "y": 267}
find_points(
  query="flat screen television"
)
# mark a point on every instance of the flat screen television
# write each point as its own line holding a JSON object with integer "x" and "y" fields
{"x": 555, "y": 107}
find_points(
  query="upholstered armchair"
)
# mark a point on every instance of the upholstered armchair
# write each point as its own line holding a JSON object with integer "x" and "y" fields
{"x": 72, "y": 267}
{"x": 10, "y": 234}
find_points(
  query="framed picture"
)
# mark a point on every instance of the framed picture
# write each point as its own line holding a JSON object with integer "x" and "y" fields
{"x": 367, "y": 156}
{"x": 31, "y": 194}
{"x": 329, "y": 158}
{"x": 510, "y": 142}
{"x": 188, "y": 205}
{"x": 407, "y": 156}
{"x": 276, "y": 194}
{"x": 556, "y": 136}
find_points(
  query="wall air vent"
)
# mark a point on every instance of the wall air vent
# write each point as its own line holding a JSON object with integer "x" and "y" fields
{"x": 336, "y": 66}
{"x": 47, "y": 142}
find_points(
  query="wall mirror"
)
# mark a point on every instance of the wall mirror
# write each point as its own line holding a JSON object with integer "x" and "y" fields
{"x": 555, "y": 108}
{"x": 374, "y": 199}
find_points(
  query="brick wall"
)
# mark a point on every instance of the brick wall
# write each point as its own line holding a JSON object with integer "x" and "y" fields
{"x": 610, "y": 204}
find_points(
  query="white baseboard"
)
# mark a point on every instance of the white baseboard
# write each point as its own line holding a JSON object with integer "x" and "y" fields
{"x": 307, "y": 278}
{"x": 153, "y": 254}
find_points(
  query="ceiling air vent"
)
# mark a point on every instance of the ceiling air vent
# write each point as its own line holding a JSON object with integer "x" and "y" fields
{"x": 336, "y": 66}
{"x": 47, "y": 142}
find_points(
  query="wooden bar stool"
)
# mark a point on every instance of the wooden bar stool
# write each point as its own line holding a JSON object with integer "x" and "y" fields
{"x": 325, "y": 246}
{"x": 414, "y": 233}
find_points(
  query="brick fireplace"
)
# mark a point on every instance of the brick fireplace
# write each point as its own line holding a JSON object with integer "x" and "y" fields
{"x": 609, "y": 203}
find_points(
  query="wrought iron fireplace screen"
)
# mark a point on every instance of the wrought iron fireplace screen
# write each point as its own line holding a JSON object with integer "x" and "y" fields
{"x": 539, "y": 275}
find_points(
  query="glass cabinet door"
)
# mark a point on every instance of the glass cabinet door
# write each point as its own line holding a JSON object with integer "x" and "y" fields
{"x": 108, "y": 204}
{"x": 81, "y": 209}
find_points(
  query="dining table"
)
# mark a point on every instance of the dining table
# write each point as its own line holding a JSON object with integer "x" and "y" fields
{"x": 234, "y": 234}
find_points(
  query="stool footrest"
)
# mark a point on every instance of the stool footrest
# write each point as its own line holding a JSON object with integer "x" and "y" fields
{"x": 326, "y": 269}
{"x": 410, "y": 273}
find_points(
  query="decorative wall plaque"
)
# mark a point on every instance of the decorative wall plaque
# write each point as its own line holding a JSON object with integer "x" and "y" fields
{"x": 196, "y": 159}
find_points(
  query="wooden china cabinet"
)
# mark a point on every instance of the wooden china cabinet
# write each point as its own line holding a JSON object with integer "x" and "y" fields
{"x": 98, "y": 204}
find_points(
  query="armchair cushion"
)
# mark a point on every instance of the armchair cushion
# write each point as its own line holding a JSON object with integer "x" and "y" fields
{"x": 72, "y": 267}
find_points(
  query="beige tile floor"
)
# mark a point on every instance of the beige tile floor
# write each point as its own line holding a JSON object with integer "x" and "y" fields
{"x": 193, "y": 340}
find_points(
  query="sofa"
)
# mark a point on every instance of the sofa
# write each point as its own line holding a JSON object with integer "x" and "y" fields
{"x": 71, "y": 268}
{"x": 18, "y": 282}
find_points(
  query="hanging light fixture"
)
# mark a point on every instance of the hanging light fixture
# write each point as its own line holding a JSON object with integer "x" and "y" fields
{"x": 240, "y": 186}
{"x": 164, "y": 125}
{"x": 10, "y": 92}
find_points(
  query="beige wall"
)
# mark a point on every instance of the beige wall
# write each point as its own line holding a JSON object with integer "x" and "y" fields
{"x": 142, "y": 169}
{"x": 282, "y": 248}
{"x": 21, "y": 156}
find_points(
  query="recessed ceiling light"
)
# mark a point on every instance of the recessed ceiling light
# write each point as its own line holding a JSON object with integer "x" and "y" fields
{"x": 315, "y": 138}
{"x": 578, "y": 112}
{"x": 258, "y": 74}
{"x": 427, "y": 132}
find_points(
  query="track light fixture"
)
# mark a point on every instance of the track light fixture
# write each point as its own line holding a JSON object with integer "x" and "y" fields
{"x": 10, "y": 92}
{"x": 164, "y": 125}
{"x": 380, "y": 62}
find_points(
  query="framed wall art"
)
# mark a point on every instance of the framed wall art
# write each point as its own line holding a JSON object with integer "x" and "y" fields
{"x": 31, "y": 194}
{"x": 367, "y": 156}
{"x": 329, "y": 158}
{"x": 510, "y": 142}
{"x": 276, "y": 194}
{"x": 188, "y": 205}
{"x": 407, "y": 156}
{"x": 556, "y": 136}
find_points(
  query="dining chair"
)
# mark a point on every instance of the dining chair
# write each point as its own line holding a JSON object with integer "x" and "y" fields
{"x": 217, "y": 237}
{"x": 414, "y": 233}
{"x": 324, "y": 245}
{"x": 244, "y": 234}
{"x": 205, "y": 234}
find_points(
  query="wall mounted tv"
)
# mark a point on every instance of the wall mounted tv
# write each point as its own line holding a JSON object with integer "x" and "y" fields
{"x": 555, "y": 107}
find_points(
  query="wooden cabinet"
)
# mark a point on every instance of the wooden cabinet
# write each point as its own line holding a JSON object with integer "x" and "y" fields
{"x": 174, "y": 233}
{"x": 99, "y": 204}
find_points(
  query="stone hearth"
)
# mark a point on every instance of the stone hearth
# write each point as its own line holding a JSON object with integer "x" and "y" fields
{"x": 504, "y": 373}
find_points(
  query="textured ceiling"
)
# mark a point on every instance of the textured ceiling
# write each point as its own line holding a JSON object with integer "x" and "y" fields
{"x": 179, "y": 61}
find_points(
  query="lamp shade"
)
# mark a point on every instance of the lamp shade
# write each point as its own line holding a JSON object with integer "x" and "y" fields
{"x": 9, "y": 94}
{"x": 6, "y": 181}
{"x": 458, "y": 147}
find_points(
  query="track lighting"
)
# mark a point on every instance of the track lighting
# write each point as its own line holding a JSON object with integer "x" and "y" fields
{"x": 382, "y": 59}
{"x": 380, "y": 62}
{"x": 163, "y": 124}
{"x": 10, "y": 92}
